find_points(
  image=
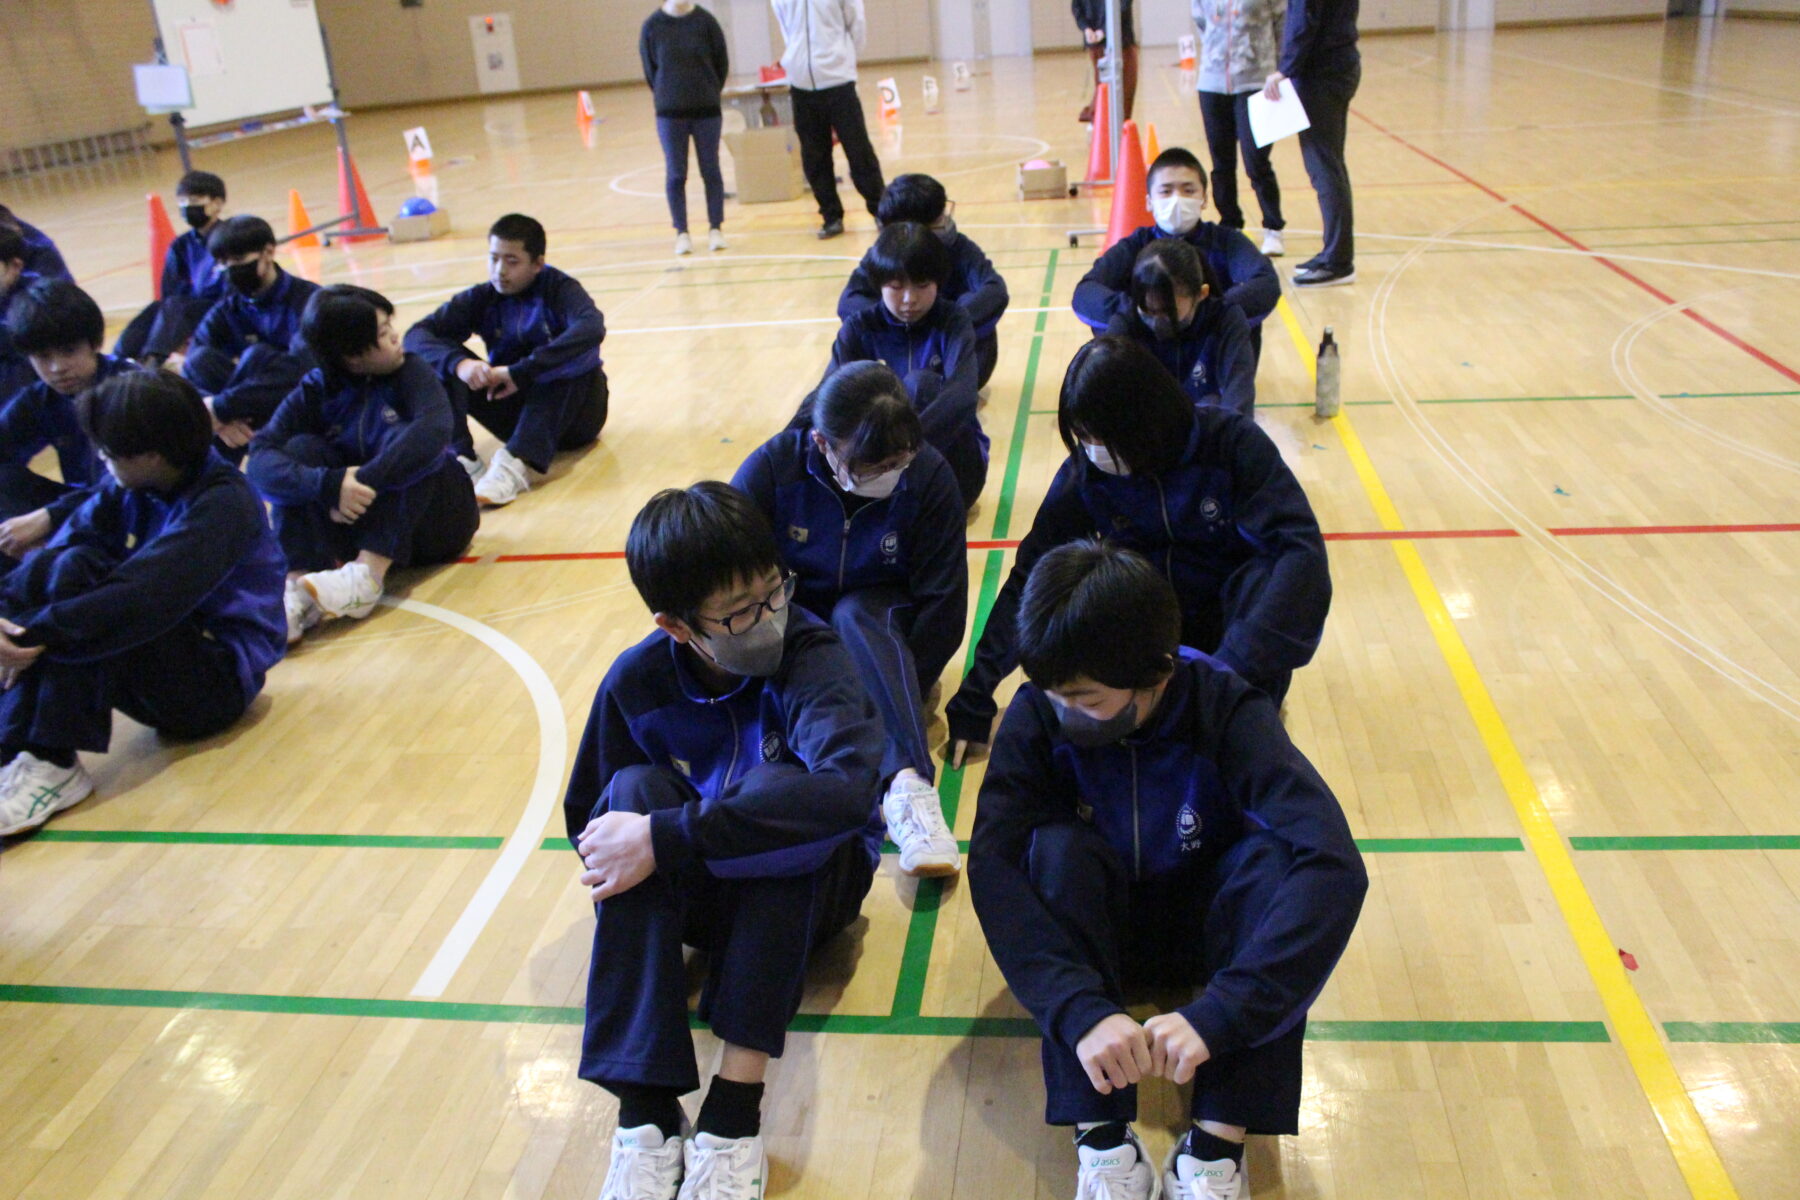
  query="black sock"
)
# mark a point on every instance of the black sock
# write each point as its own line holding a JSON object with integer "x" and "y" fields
{"x": 656, "y": 1106}
{"x": 731, "y": 1110}
{"x": 60, "y": 756}
{"x": 1208, "y": 1148}
{"x": 1108, "y": 1135}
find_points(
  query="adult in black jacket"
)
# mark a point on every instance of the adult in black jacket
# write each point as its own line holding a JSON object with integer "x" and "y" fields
{"x": 685, "y": 64}
{"x": 1319, "y": 57}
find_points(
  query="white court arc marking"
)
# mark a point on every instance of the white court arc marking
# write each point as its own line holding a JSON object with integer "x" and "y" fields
{"x": 540, "y": 807}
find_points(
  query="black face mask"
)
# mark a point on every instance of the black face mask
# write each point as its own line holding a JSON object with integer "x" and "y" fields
{"x": 195, "y": 215}
{"x": 245, "y": 277}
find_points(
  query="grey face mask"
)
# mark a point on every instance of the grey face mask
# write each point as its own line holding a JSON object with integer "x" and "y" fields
{"x": 1090, "y": 732}
{"x": 756, "y": 651}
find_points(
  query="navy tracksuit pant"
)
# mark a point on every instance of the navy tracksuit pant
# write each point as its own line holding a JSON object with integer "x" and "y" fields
{"x": 1170, "y": 932}
{"x": 162, "y": 328}
{"x": 873, "y": 623}
{"x": 758, "y": 934}
{"x": 430, "y": 522}
{"x": 536, "y": 421}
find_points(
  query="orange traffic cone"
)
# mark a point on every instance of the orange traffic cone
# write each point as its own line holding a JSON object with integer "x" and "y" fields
{"x": 1130, "y": 201}
{"x": 584, "y": 109}
{"x": 1151, "y": 147}
{"x": 298, "y": 221}
{"x": 354, "y": 198}
{"x": 1100, "y": 148}
{"x": 162, "y": 234}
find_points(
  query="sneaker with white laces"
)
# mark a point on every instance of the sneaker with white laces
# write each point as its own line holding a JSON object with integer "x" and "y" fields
{"x": 32, "y": 791}
{"x": 1273, "y": 245}
{"x": 350, "y": 591}
{"x": 724, "y": 1168}
{"x": 471, "y": 465}
{"x": 645, "y": 1165}
{"x": 1121, "y": 1173}
{"x": 715, "y": 238}
{"x": 915, "y": 820}
{"x": 303, "y": 612}
{"x": 1187, "y": 1177}
{"x": 683, "y": 244}
{"x": 504, "y": 480}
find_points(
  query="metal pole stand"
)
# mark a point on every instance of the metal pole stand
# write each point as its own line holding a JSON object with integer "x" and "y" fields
{"x": 1112, "y": 75}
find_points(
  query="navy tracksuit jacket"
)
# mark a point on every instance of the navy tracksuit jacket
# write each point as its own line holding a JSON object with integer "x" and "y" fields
{"x": 550, "y": 331}
{"x": 1249, "y": 279}
{"x": 248, "y": 353}
{"x": 1211, "y": 358}
{"x": 973, "y": 285}
{"x": 40, "y": 416}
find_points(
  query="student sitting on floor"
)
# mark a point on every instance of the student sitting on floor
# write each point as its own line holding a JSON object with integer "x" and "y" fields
{"x": 1178, "y": 198}
{"x": 1200, "y": 492}
{"x": 192, "y": 280}
{"x": 1146, "y": 823}
{"x": 972, "y": 282}
{"x": 1177, "y": 315}
{"x": 15, "y": 277}
{"x": 926, "y": 340}
{"x": 160, "y": 597}
{"x": 723, "y": 797}
{"x": 247, "y": 354}
{"x": 357, "y": 464}
{"x": 42, "y": 258}
{"x": 868, "y": 518}
{"x": 58, "y": 328}
{"x": 542, "y": 388}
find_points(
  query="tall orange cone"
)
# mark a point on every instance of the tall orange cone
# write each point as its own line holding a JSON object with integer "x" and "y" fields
{"x": 297, "y": 221}
{"x": 1130, "y": 200}
{"x": 162, "y": 235}
{"x": 1100, "y": 148}
{"x": 584, "y": 109}
{"x": 354, "y": 198}
{"x": 1151, "y": 147}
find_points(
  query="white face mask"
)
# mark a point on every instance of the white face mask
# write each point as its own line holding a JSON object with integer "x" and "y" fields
{"x": 1104, "y": 459}
{"x": 879, "y": 487}
{"x": 1176, "y": 214}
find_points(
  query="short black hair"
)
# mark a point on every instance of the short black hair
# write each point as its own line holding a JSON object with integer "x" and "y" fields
{"x": 1119, "y": 394}
{"x": 864, "y": 409}
{"x": 1168, "y": 265}
{"x": 913, "y": 197}
{"x": 148, "y": 412}
{"x": 54, "y": 314}
{"x": 201, "y": 183}
{"x": 1099, "y": 611}
{"x": 689, "y": 543}
{"x": 342, "y": 320}
{"x": 527, "y": 231}
{"x": 907, "y": 251}
{"x": 12, "y": 244}
{"x": 237, "y": 236}
{"x": 1174, "y": 156}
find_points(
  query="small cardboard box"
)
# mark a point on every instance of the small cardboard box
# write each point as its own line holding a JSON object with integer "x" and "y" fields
{"x": 767, "y": 162}
{"x": 1044, "y": 183}
{"x": 419, "y": 229}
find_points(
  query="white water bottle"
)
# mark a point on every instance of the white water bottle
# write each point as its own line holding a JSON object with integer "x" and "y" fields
{"x": 1325, "y": 384}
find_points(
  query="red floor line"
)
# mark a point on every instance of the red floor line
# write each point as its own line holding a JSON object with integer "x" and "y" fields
{"x": 1698, "y": 318}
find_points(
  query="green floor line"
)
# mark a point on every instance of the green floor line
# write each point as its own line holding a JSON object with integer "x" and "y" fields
{"x": 1729, "y": 841}
{"x": 1009, "y": 482}
{"x": 1765, "y": 1032}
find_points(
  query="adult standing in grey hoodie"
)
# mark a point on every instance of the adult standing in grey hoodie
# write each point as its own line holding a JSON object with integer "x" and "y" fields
{"x": 685, "y": 64}
{"x": 1240, "y": 46}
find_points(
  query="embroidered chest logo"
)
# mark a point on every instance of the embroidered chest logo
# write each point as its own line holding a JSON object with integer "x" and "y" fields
{"x": 1187, "y": 825}
{"x": 798, "y": 533}
{"x": 1209, "y": 508}
{"x": 771, "y": 747}
{"x": 890, "y": 545}
{"x": 682, "y": 765}
{"x": 389, "y": 416}
{"x": 1198, "y": 374}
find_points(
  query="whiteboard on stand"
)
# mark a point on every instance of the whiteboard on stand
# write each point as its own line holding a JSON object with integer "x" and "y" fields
{"x": 246, "y": 58}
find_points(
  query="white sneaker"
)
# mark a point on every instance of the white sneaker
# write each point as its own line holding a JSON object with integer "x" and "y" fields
{"x": 1121, "y": 1173}
{"x": 1188, "y": 1178}
{"x": 303, "y": 612}
{"x": 504, "y": 480}
{"x": 471, "y": 464}
{"x": 1272, "y": 245}
{"x": 915, "y": 820}
{"x": 32, "y": 791}
{"x": 715, "y": 239}
{"x": 350, "y": 591}
{"x": 645, "y": 1165}
{"x": 724, "y": 1168}
{"x": 683, "y": 244}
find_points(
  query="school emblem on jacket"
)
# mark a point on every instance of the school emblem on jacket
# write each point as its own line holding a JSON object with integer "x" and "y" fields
{"x": 798, "y": 533}
{"x": 1209, "y": 508}
{"x": 389, "y": 416}
{"x": 890, "y": 545}
{"x": 1187, "y": 825}
{"x": 1198, "y": 374}
{"x": 682, "y": 765}
{"x": 771, "y": 747}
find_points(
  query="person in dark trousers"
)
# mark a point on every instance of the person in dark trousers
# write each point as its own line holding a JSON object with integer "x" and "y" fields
{"x": 1177, "y": 199}
{"x": 42, "y": 258}
{"x": 192, "y": 281}
{"x": 1177, "y": 315}
{"x": 1146, "y": 824}
{"x": 1090, "y": 18}
{"x": 58, "y": 327}
{"x": 685, "y": 64}
{"x": 972, "y": 282}
{"x": 542, "y": 388}
{"x": 160, "y": 597}
{"x": 925, "y": 339}
{"x": 1320, "y": 59}
{"x": 357, "y": 464}
{"x": 247, "y": 354}
{"x": 821, "y": 38}
{"x": 724, "y": 798}
{"x": 1200, "y": 492}
{"x": 15, "y": 278}
{"x": 869, "y": 520}
{"x": 1240, "y": 43}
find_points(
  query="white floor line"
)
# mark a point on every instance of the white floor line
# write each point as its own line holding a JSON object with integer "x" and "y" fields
{"x": 540, "y": 807}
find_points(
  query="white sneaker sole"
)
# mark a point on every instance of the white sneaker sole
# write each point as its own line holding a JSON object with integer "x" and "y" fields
{"x": 1340, "y": 281}
{"x": 81, "y": 787}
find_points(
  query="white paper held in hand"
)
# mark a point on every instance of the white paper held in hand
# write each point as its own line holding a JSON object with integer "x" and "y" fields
{"x": 1272, "y": 120}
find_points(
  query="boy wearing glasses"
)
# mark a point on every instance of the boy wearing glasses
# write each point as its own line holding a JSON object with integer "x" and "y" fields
{"x": 724, "y": 798}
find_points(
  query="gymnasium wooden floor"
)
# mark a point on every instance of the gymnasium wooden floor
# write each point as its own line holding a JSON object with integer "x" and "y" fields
{"x": 325, "y": 955}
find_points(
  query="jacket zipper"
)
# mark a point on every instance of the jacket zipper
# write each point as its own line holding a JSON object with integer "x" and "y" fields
{"x": 1162, "y": 504}
{"x": 1137, "y": 843}
{"x": 736, "y": 737}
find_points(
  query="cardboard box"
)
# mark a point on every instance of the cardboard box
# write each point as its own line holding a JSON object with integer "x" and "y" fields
{"x": 419, "y": 229}
{"x": 767, "y": 162}
{"x": 1044, "y": 183}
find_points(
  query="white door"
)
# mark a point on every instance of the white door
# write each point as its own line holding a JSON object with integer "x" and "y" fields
{"x": 496, "y": 62}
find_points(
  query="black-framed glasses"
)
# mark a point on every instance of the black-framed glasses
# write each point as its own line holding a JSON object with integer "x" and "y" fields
{"x": 745, "y": 619}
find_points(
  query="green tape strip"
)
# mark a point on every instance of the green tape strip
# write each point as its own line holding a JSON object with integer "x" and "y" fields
{"x": 1773, "y": 1033}
{"x": 1730, "y": 841}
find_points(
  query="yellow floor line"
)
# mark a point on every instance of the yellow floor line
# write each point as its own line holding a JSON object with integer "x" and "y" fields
{"x": 1685, "y": 1132}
